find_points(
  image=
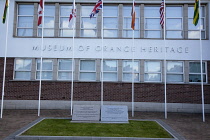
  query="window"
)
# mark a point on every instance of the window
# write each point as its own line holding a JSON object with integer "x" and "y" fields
{"x": 175, "y": 71}
{"x": 87, "y": 70}
{"x": 47, "y": 69}
{"x": 195, "y": 72}
{"x": 22, "y": 69}
{"x": 49, "y": 21}
{"x": 110, "y": 21}
{"x": 174, "y": 22}
{"x": 110, "y": 70}
{"x": 65, "y": 31}
{"x": 152, "y": 71}
{"x": 129, "y": 68}
{"x": 88, "y": 26}
{"x": 64, "y": 69}
{"x": 127, "y": 31}
{"x": 152, "y": 22}
{"x": 194, "y": 31}
{"x": 25, "y": 20}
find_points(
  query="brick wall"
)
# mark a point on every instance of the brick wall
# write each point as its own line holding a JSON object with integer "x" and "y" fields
{"x": 91, "y": 91}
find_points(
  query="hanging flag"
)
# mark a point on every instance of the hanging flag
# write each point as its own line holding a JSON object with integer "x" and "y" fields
{"x": 96, "y": 8}
{"x": 72, "y": 17}
{"x": 133, "y": 15}
{"x": 162, "y": 14}
{"x": 5, "y": 11}
{"x": 40, "y": 12}
{"x": 196, "y": 12}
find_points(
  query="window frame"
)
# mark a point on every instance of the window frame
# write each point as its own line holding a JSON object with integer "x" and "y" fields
{"x": 175, "y": 73}
{"x": 39, "y": 28}
{"x": 137, "y": 8}
{"x": 110, "y": 71}
{"x": 17, "y": 20}
{"x": 204, "y": 73}
{"x": 110, "y": 16}
{"x": 65, "y": 28}
{"x": 131, "y": 72}
{"x": 61, "y": 71}
{"x": 147, "y": 72}
{"x": 158, "y": 17}
{"x": 24, "y": 70}
{"x": 88, "y": 16}
{"x": 87, "y": 71}
{"x": 182, "y": 23}
{"x": 42, "y": 69}
{"x": 204, "y": 22}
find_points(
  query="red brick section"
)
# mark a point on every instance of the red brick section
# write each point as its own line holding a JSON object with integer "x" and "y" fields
{"x": 91, "y": 91}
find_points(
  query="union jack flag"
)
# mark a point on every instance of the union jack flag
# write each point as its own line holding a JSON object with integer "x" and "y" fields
{"x": 96, "y": 8}
{"x": 162, "y": 14}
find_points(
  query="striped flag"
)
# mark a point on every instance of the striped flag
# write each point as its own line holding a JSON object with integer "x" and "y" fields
{"x": 40, "y": 12}
{"x": 5, "y": 11}
{"x": 162, "y": 14}
{"x": 96, "y": 8}
{"x": 72, "y": 17}
{"x": 196, "y": 12}
{"x": 133, "y": 15}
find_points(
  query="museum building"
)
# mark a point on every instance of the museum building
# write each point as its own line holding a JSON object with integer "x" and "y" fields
{"x": 104, "y": 57}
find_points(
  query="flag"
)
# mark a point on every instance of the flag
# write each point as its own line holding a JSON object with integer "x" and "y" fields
{"x": 72, "y": 17}
{"x": 162, "y": 14}
{"x": 96, "y": 8}
{"x": 133, "y": 15}
{"x": 5, "y": 11}
{"x": 196, "y": 12}
{"x": 40, "y": 12}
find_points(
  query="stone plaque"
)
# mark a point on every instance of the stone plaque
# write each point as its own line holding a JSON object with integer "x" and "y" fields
{"x": 86, "y": 113}
{"x": 114, "y": 113}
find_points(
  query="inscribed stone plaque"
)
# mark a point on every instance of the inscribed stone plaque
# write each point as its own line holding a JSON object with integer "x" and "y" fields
{"x": 86, "y": 113}
{"x": 114, "y": 113}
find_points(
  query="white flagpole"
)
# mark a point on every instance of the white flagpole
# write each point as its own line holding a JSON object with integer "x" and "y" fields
{"x": 133, "y": 67}
{"x": 201, "y": 65}
{"x": 40, "y": 76}
{"x": 5, "y": 61}
{"x": 165, "y": 78}
{"x": 72, "y": 65}
{"x": 102, "y": 55}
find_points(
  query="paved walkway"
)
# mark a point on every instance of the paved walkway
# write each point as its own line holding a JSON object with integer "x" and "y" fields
{"x": 190, "y": 126}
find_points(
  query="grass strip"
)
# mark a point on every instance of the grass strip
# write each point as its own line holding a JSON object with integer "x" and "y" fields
{"x": 63, "y": 127}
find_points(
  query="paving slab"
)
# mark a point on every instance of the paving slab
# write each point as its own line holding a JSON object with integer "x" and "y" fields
{"x": 188, "y": 125}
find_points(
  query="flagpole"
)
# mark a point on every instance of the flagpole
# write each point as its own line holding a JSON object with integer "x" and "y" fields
{"x": 102, "y": 55}
{"x": 201, "y": 66}
{"x": 72, "y": 64}
{"x": 165, "y": 78}
{"x": 133, "y": 64}
{"x": 5, "y": 62}
{"x": 40, "y": 76}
